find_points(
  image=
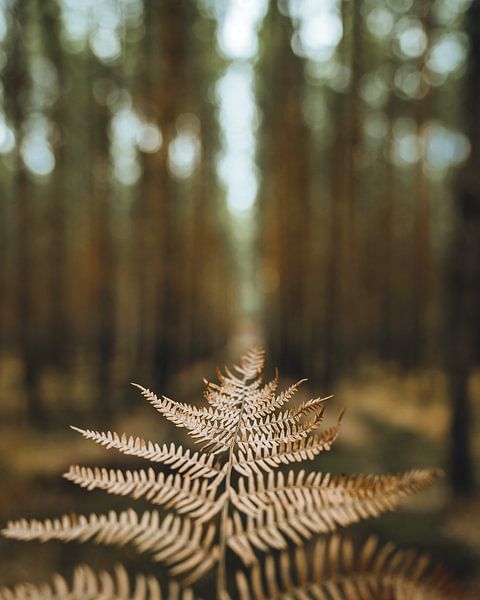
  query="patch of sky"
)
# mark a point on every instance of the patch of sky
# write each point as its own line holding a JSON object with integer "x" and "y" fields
{"x": 148, "y": 138}
{"x": 439, "y": 147}
{"x": 237, "y": 38}
{"x": 99, "y": 23}
{"x": 410, "y": 37}
{"x": 319, "y": 27}
{"x": 237, "y": 35}
{"x": 7, "y": 137}
{"x": 448, "y": 53}
{"x": 35, "y": 148}
{"x": 444, "y": 147}
{"x": 450, "y": 12}
{"x": 238, "y": 118}
{"x": 3, "y": 23}
{"x": 76, "y": 23}
{"x": 406, "y": 148}
{"x": 380, "y": 22}
{"x": 45, "y": 83}
{"x": 185, "y": 150}
{"x": 129, "y": 133}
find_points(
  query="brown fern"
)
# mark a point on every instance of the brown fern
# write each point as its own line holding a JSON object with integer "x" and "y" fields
{"x": 229, "y": 496}
{"x": 335, "y": 570}
{"x": 88, "y": 585}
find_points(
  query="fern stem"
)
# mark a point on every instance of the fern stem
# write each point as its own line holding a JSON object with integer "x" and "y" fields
{"x": 222, "y": 593}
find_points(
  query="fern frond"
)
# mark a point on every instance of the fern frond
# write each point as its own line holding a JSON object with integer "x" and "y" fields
{"x": 87, "y": 584}
{"x": 191, "y": 464}
{"x": 279, "y": 433}
{"x": 258, "y": 509}
{"x": 252, "y": 363}
{"x": 369, "y": 495}
{"x": 335, "y": 571}
{"x": 227, "y": 397}
{"x": 178, "y": 542}
{"x": 261, "y": 406}
{"x": 186, "y": 414}
{"x": 294, "y": 513}
{"x": 255, "y": 460}
{"x": 214, "y": 429}
{"x": 187, "y": 496}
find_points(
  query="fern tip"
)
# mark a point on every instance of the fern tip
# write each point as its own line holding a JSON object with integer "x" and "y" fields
{"x": 437, "y": 472}
{"x": 137, "y": 385}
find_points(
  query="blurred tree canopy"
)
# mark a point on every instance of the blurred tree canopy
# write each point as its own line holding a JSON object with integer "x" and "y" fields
{"x": 168, "y": 167}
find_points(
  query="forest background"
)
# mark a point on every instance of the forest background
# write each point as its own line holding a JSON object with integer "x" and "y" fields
{"x": 181, "y": 179}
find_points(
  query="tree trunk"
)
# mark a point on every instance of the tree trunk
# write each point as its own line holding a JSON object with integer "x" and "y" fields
{"x": 463, "y": 320}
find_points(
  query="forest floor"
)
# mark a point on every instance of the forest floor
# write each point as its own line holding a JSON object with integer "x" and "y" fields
{"x": 392, "y": 423}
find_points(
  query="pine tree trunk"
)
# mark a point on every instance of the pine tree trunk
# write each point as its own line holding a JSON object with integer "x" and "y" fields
{"x": 463, "y": 320}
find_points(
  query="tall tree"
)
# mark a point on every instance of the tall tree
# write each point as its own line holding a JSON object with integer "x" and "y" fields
{"x": 18, "y": 89}
{"x": 463, "y": 317}
{"x": 103, "y": 252}
{"x": 58, "y": 260}
{"x": 285, "y": 190}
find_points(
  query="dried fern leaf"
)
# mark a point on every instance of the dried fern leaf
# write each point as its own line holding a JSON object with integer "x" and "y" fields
{"x": 213, "y": 428}
{"x": 243, "y": 417}
{"x": 275, "y": 423}
{"x": 257, "y": 405}
{"x": 305, "y": 418}
{"x": 334, "y": 571}
{"x": 190, "y": 417}
{"x": 369, "y": 494}
{"x": 187, "y": 496}
{"x": 248, "y": 461}
{"x": 203, "y": 425}
{"x": 252, "y": 363}
{"x": 218, "y": 426}
{"x": 228, "y": 396}
{"x": 184, "y": 546}
{"x": 191, "y": 464}
{"x": 89, "y": 585}
{"x": 233, "y": 392}
{"x": 279, "y": 433}
{"x": 279, "y": 511}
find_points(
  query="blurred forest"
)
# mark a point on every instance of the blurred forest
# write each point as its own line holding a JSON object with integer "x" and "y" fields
{"x": 183, "y": 178}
